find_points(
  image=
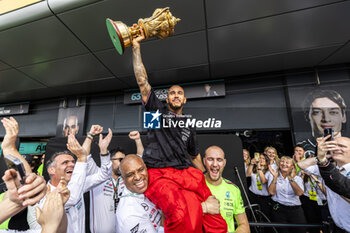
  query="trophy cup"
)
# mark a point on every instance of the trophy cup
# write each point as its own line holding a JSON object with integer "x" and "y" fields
{"x": 161, "y": 24}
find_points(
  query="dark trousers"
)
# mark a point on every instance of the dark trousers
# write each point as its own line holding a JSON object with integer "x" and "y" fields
{"x": 313, "y": 213}
{"x": 288, "y": 214}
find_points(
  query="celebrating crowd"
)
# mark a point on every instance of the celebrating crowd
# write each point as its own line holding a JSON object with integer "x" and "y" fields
{"x": 167, "y": 187}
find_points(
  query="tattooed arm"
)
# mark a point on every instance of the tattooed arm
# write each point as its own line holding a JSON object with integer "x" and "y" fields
{"x": 139, "y": 68}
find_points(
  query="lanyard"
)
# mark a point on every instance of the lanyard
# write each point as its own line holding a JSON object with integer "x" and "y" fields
{"x": 312, "y": 184}
{"x": 115, "y": 194}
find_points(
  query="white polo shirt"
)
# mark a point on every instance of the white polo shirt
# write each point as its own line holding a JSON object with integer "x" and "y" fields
{"x": 284, "y": 192}
{"x": 78, "y": 185}
{"x": 135, "y": 213}
{"x": 254, "y": 188}
{"x": 338, "y": 207}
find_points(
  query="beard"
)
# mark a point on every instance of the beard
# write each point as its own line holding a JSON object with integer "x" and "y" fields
{"x": 117, "y": 172}
{"x": 175, "y": 108}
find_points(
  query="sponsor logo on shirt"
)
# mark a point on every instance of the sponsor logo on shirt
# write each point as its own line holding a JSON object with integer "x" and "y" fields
{"x": 135, "y": 229}
{"x": 227, "y": 194}
{"x": 145, "y": 206}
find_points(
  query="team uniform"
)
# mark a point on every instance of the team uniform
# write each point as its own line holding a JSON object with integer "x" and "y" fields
{"x": 338, "y": 207}
{"x": 260, "y": 194}
{"x": 175, "y": 186}
{"x": 135, "y": 213}
{"x": 231, "y": 202}
{"x": 286, "y": 205}
{"x": 78, "y": 185}
{"x": 312, "y": 202}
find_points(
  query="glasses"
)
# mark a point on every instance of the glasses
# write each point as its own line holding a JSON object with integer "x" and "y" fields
{"x": 120, "y": 159}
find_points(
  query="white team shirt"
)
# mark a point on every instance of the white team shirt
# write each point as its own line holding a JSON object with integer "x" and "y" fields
{"x": 254, "y": 188}
{"x": 78, "y": 185}
{"x": 308, "y": 187}
{"x": 338, "y": 207}
{"x": 102, "y": 204}
{"x": 135, "y": 213}
{"x": 284, "y": 192}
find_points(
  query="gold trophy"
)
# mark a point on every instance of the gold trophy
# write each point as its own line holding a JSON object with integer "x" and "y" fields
{"x": 161, "y": 24}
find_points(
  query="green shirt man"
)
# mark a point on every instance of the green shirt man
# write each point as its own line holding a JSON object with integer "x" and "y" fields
{"x": 231, "y": 203}
{"x": 228, "y": 194}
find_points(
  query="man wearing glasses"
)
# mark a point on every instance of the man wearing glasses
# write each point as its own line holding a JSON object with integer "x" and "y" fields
{"x": 104, "y": 198}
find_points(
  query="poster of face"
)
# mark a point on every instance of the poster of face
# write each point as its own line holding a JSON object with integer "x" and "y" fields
{"x": 70, "y": 121}
{"x": 318, "y": 109}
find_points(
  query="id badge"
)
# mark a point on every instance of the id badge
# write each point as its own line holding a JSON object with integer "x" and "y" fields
{"x": 313, "y": 195}
{"x": 258, "y": 184}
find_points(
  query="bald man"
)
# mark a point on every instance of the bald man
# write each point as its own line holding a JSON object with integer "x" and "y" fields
{"x": 229, "y": 195}
{"x": 70, "y": 125}
{"x": 171, "y": 155}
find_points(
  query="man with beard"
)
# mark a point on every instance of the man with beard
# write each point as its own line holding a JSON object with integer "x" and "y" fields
{"x": 175, "y": 186}
{"x": 104, "y": 198}
{"x": 229, "y": 195}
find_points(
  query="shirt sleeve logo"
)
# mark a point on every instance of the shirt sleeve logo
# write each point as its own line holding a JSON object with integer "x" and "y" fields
{"x": 227, "y": 194}
{"x": 151, "y": 120}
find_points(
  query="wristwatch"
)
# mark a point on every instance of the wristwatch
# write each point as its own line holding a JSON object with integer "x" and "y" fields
{"x": 291, "y": 180}
{"x": 321, "y": 163}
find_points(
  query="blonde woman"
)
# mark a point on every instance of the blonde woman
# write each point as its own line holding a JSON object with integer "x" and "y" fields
{"x": 258, "y": 189}
{"x": 271, "y": 153}
{"x": 286, "y": 187}
{"x": 246, "y": 157}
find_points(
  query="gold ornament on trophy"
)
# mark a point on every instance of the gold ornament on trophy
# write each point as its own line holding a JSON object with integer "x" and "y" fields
{"x": 161, "y": 24}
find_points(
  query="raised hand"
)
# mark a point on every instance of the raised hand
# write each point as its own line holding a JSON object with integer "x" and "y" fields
{"x": 11, "y": 128}
{"x": 134, "y": 135}
{"x": 74, "y": 147}
{"x": 103, "y": 143}
{"x": 96, "y": 129}
{"x": 63, "y": 190}
{"x": 50, "y": 216}
{"x": 30, "y": 193}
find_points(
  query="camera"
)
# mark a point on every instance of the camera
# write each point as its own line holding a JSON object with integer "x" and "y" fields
{"x": 14, "y": 163}
{"x": 328, "y": 131}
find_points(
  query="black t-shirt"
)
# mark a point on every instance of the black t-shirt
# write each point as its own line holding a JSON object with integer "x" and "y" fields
{"x": 169, "y": 147}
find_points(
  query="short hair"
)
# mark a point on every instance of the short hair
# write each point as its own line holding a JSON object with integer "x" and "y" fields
{"x": 320, "y": 93}
{"x": 51, "y": 160}
{"x": 116, "y": 150}
{"x": 214, "y": 147}
{"x": 65, "y": 120}
{"x": 300, "y": 146}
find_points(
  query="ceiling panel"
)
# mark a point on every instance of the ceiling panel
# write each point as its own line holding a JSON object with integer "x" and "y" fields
{"x": 12, "y": 80}
{"x": 37, "y": 94}
{"x": 228, "y": 11}
{"x": 341, "y": 56}
{"x": 3, "y": 66}
{"x": 308, "y": 29}
{"x": 38, "y": 41}
{"x": 104, "y": 85}
{"x": 88, "y": 22}
{"x": 173, "y": 76}
{"x": 276, "y": 62}
{"x": 173, "y": 52}
{"x": 68, "y": 71}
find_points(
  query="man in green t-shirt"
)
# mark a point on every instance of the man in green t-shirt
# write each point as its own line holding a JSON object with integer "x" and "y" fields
{"x": 229, "y": 195}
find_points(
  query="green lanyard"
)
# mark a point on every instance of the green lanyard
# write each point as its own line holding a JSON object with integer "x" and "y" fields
{"x": 115, "y": 194}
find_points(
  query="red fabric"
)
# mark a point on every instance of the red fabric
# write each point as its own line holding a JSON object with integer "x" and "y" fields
{"x": 179, "y": 193}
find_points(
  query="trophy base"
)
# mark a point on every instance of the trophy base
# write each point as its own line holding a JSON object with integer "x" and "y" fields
{"x": 116, "y": 36}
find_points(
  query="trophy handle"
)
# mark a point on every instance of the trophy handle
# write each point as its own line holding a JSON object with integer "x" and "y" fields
{"x": 122, "y": 35}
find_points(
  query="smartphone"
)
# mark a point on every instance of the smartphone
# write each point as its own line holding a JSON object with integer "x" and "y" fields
{"x": 13, "y": 162}
{"x": 328, "y": 131}
{"x": 256, "y": 156}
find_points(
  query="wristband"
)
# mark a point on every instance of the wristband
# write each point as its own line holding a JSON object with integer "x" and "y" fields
{"x": 90, "y": 134}
{"x": 291, "y": 180}
{"x": 105, "y": 154}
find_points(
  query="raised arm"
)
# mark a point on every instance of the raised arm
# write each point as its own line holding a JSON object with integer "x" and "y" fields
{"x": 8, "y": 145}
{"x": 135, "y": 135}
{"x": 139, "y": 68}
